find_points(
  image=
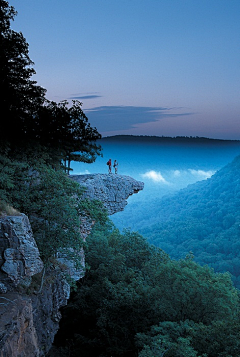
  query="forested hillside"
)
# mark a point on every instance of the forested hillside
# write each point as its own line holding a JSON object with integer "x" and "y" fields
{"x": 135, "y": 301}
{"x": 204, "y": 218}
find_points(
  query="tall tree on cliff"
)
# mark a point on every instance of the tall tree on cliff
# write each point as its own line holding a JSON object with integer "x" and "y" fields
{"x": 27, "y": 117}
{"x": 67, "y": 131}
{"x": 20, "y": 96}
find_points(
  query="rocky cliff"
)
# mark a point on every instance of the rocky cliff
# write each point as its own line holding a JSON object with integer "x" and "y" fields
{"x": 30, "y": 294}
{"x": 112, "y": 190}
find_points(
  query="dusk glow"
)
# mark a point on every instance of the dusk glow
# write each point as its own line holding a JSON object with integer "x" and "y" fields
{"x": 140, "y": 67}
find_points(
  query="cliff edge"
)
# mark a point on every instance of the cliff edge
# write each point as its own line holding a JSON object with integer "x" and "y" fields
{"x": 112, "y": 190}
{"x": 30, "y": 294}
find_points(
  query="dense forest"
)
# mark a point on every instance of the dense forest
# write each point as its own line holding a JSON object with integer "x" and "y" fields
{"x": 203, "y": 218}
{"x": 134, "y": 299}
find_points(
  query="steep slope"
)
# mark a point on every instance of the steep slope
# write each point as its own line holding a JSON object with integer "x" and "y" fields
{"x": 204, "y": 218}
{"x": 30, "y": 294}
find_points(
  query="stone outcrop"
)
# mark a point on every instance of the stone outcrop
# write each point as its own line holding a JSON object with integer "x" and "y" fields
{"x": 31, "y": 295}
{"x": 112, "y": 190}
{"x": 29, "y": 312}
{"x": 19, "y": 255}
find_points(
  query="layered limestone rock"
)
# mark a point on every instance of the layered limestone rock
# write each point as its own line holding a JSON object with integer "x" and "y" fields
{"x": 29, "y": 311}
{"x": 19, "y": 255}
{"x": 112, "y": 190}
{"x": 30, "y": 295}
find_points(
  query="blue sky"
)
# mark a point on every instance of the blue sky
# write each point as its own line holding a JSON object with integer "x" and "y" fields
{"x": 144, "y": 67}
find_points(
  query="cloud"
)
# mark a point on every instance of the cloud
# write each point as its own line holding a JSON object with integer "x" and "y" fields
{"x": 201, "y": 173}
{"x": 176, "y": 173}
{"x": 155, "y": 176}
{"x": 92, "y": 96}
{"x": 111, "y": 118}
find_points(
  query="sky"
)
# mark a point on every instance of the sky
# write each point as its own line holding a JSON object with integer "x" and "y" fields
{"x": 140, "y": 67}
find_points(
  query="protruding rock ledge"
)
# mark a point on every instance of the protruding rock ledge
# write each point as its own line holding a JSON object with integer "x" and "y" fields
{"x": 28, "y": 322}
{"x": 112, "y": 190}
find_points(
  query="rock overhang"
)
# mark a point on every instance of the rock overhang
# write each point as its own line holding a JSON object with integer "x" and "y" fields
{"x": 112, "y": 190}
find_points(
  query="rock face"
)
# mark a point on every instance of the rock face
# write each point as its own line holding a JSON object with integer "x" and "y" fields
{"x": 28, "y": 323}
{"x": 112, "y": 190}
{"x": 17, "y": 327}
{"x": 19, "y": 255}
{"x": 31, "y": 295}
{"x": 29, "y": 314}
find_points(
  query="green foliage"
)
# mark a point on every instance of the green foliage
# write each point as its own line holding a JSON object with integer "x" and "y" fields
{"x": 94, "y": 209}
{"x": 8, "y": 170}
{"x": 46, "y": 196}
{"x": 167, "y": 339}
{"x": 181, "y": 339}
{"x": 134, "y": 300}
{"x": 51, "y": 200}
{"x": 203, "y": 218}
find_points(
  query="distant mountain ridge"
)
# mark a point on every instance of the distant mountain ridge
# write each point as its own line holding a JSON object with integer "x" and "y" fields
{"x": 165, "y": 139}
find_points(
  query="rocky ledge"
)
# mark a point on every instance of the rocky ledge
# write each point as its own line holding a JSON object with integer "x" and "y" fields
{"x": 112, "y": 190}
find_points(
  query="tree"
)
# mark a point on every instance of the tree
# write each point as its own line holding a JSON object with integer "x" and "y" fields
{"x": 29, "y": 118}
{"x": 66, "y": 130}
{"x": 135, "y": 301}
{"x": 20, "y": 96}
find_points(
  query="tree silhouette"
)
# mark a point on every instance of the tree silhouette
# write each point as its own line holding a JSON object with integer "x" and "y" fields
{"x": 20, "y": 96}
{"x": 30, "y": 120}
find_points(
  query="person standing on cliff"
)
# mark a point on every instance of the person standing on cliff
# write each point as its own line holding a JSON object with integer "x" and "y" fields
{"x": 109, "y": 163}
{"x": 115, "y": 165}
